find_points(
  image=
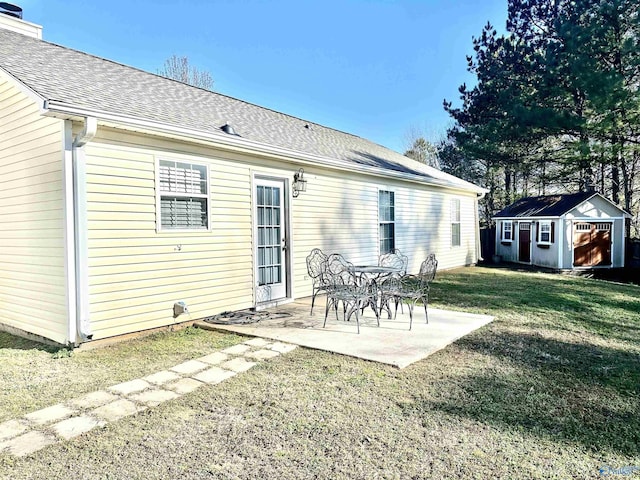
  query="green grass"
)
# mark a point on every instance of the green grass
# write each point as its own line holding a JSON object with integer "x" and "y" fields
{"x": 550, "y": 389}
{"x": 34, "y": 376}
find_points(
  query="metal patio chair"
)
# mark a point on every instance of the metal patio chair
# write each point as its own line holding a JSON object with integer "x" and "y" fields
{"x": 410, "y": 289}
{"x": 316, "y": 266}
{"x": 343, "y": 286}
{"x": 394, "y": 259}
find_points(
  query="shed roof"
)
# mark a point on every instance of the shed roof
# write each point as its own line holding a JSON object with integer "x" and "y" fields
{"x": 545, "y": 205}
{"x": 65, "y": 77}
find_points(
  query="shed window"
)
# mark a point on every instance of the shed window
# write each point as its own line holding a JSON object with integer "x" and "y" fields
{"x": 506, "y": 231}
{"x": 545, "y": 232}
{"x": 455, "y": 222}
{"x": 184, "y": 196}
{"x": 386, "y": 218}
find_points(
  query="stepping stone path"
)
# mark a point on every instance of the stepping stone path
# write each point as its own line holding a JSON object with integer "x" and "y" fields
{"x": 67, "y": 420}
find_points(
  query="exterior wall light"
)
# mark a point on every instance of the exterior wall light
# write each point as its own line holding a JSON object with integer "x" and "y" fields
{"x": 299, "y": 183}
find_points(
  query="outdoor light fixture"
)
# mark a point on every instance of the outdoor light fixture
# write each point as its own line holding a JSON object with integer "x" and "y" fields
{"x": 299, "y": 183}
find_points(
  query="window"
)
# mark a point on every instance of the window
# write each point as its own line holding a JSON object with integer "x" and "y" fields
{"x": 545, "y": 233}
{"x": 506, "y": 231}
{"x": 386, "y": 217}
{"x": 455, "y": 222}
{"x": 184, "y": 196}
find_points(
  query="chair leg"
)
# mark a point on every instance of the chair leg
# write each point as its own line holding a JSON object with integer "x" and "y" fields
{"x": 410, "y": 307}
{"x": 313, "y": 300}
{"x": 326, "y": 311}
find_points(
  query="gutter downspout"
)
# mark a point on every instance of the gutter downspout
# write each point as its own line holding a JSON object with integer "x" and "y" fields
{"x": 80, "y": 227}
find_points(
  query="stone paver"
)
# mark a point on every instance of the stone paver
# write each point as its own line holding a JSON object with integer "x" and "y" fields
{"x": 162, "y": 377}
{"x": 238, "y": 365}
{"x": 257, "y": 342}
{"x": 49, "y": 414}
{"x": 214, "y": 375}
{"x": 237, "y": 349}
{"x": 93, "y": 399}
{"x": 187, "y": 368}
{"x": 127, "y": 388}
{"x": 74, "y": 426}
{"x": 214, "y": 358}
{"x": 153, "y": 398}
{"x": 28, "y": 443}
{"x": 283, "y": 347}
{"x": 11, "y": 428}
{"x": 116, "y": 410}
{"x": 184, "y": 385}
{"x": 262, "y": 354}
{"x": 102, "y": 406}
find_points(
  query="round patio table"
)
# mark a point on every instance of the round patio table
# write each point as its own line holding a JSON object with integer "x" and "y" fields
{"x": 372, "y": 275}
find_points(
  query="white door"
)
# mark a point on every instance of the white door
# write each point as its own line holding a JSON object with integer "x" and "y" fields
{"x": 271, "y": 240}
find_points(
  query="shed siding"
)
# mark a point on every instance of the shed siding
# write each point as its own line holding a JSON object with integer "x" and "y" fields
{"x": 136, "y": 274}
{"x": 32, "y": 272}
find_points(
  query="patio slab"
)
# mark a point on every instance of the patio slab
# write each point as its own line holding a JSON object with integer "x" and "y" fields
{"x": 392, "y": 343}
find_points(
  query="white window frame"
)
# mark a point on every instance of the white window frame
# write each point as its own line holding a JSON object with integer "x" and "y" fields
{"x": 455, "y": 220}
{"x": 541, "y": 225}
{"x": 503, "y": 231}
{"x": 166, "y": 193}
{"x": 387, "y": 222}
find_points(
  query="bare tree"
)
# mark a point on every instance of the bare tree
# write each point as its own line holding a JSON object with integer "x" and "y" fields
{"x": 419, "y": 148}
{"x": 178, "y": 68}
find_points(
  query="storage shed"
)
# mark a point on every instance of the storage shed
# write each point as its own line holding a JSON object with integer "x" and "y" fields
{"x": 571, "y": 231}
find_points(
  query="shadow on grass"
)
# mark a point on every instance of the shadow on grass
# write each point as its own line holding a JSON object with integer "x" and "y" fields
{"x": 549, "y": 388}
{"x": 563, "y": 303}
{"x": 12, "y": 342}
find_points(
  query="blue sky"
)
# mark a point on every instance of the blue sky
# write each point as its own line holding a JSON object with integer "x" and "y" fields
{"x": 377, "y": 69}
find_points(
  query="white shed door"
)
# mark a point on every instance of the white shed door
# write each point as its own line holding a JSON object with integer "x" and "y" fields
{"x": 271, "y": 240}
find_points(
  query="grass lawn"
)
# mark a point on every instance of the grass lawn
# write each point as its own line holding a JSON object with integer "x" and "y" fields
{"x": 551, "y": 389}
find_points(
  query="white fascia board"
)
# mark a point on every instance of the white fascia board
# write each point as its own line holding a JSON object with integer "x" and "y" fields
{"x": 35, "y": 96}
{"x": 240, "y": 144}
{"x": 528, "y": 219}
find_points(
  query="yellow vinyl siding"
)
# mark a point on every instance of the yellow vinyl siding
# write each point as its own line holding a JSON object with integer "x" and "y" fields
{"x": 136, "y": 274}
{"x": 32, "y": 271}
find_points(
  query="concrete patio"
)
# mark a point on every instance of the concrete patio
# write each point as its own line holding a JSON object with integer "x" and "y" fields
{"x": 392, "y": 343}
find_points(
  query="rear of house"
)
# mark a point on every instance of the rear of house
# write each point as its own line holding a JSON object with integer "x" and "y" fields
{"x": 571, "y": 231}
{"x": 125, "y": 200}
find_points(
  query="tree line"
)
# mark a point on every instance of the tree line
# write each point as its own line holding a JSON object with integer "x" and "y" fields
{"x": 556, "y": 105}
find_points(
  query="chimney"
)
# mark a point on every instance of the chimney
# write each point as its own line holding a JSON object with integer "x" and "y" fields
{"x": 11, "y": 19}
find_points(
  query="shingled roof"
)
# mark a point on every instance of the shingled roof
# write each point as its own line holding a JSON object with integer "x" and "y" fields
{"x": 544, "y": 205}
{"x": 67, "y": 77}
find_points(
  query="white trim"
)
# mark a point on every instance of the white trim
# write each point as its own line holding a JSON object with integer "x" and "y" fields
{"x": 452, "y": 222}
{"x": 611, "y": 239}
{"x": 523, "y": 219}
{"x": 389, "y": 190}
{"x": 220, "y": 140}
{"x": 517, "y": 241}
{"x": 32, "y": 94}
{"x": 502, "y": 230}
{"x": 562, "y": 225}
{"x": 159, "y": 194}
{"x": 539, "y": 233}
{"x": 257, "y": 176}
{"x": 69, "y": 231}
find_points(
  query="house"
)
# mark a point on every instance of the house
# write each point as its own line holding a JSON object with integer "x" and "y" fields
{"x": 128, "y": 197}
{"x": 572, "y": 231}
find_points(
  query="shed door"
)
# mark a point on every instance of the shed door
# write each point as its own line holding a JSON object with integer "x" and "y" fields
{"x": 524, "y": 242}
{"x": 591, "y": 244}
{"x": 271, "y": 240}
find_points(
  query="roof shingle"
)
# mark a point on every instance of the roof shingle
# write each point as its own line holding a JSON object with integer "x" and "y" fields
{"x": 81, "y": 80}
